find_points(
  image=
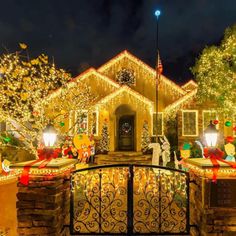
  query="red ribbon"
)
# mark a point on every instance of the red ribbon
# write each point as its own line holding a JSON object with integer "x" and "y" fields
{"x": 45, "y": 156}
{"x": 216, "y": 155}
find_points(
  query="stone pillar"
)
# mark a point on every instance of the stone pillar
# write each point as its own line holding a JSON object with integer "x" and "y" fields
{"x": 43, "y": 206}
{"x": 212, "y": 211}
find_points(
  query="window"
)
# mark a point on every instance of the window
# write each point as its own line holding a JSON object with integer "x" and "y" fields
{"x": 81, "y": 122}
{"x": 207, "y": 116}
{"x": 3, "y": 126}
{"x": 78, "y": 122}
{"x": 94, "y": 128}
{"x": 234, "y": 125}
{"x": 159, "y": 123}
{"x": 190, "y": 123}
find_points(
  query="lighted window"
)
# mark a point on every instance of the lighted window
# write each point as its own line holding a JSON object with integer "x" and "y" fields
{"x": 207, "y": 116}
{"x": 2, "y": 126}
{"x": 234, "y": 125}
{"x": 190, "y": 123}
{"x": 81, "y": 122}
{"x": 159, "y": 125}
{"x": 94, "y": 122}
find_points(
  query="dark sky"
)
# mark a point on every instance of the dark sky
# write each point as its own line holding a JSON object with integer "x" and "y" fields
{"x": 78, "y": 33}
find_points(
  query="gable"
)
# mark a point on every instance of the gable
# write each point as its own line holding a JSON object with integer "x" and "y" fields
{"x": 100, "y": 85}
{"x": 189, "y": 86}
{"x": 145, "y": 78}
{"x": 180, "y": 103}
{"x": 125, "y": 90}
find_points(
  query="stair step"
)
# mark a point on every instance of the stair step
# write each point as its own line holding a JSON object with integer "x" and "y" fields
{"x": 108, "y": 159}
{"x": 124, "y": 153}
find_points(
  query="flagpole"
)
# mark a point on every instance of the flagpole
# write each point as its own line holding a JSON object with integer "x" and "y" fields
{"x": 157, "y": 14}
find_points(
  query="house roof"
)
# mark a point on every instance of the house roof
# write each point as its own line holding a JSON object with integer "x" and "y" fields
{"x": 190, "y": 85}
{"x": 125, "y": 88}
{"x": 181, "y": 101}
{"x": 126, "y": 54}
{"x": 82, "y": 76}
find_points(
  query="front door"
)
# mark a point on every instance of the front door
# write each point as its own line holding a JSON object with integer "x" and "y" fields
{"x": 126, "y": 133}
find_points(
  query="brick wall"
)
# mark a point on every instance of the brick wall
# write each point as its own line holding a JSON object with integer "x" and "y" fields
{"x": 217, "y": 221}
{"x": 43, "y": 206}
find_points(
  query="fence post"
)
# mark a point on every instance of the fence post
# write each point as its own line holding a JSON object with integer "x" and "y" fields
{"x": 130, "y": 200}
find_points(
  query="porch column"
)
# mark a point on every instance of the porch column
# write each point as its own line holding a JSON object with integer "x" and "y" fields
{"x": 212, "y": 205}
{"x": 43, "y": 205}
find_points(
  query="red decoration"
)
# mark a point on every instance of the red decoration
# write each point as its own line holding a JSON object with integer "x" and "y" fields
{"x": 215, "y": 156}
{"x": 45, "y": 156}
{"x": 229, "y": 139}
{"x": 234, "y": 128}
{"x": 35, "y": 113}
{"x": 215, "y": 122}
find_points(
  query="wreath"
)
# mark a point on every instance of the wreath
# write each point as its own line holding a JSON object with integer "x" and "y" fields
{"x": 125, "y": 76}
{"x": 126, "y": 128}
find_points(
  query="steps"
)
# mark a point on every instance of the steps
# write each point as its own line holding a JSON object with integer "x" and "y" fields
{"x": 123, "y": 157}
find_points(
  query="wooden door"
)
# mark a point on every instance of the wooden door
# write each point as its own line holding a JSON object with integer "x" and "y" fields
{"x": 126, "y": 133}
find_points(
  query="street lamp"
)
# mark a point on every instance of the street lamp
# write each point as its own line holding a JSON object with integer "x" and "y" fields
{"x": 157, "y": 14}
{"x": 49, "y": 135}
{"x": 211, "y": 135}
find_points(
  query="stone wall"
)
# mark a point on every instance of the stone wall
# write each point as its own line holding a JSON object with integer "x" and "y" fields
{"x": 209, "y": 221}
{"x": 43, "y": 206}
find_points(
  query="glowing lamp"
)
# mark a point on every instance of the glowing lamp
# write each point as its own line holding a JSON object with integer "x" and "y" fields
{"x": 157, "y": 13}
{"x": 211, "y": 135}
{"x": 49, "y": 135}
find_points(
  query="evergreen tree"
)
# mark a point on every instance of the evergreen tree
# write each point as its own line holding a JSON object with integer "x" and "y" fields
{"x": 104, "y": 142}
{"x": 145, "y": 137}
{"x": 215, "y": 72}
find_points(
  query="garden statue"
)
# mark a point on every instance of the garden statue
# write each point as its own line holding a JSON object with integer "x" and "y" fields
{"x": 165, "y": 150}
{"x": 185, "y": 153}
{"x": 156, "y": 153}
{"x": 230, "y": 151}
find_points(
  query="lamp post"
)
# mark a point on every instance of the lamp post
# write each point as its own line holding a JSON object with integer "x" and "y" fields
{"x": 157, "y": 14}
{"x": 49, "y": 135}
{"x": 211, "y": 135}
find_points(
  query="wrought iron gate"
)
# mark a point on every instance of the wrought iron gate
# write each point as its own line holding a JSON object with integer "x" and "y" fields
{"x": 129, "y": 199}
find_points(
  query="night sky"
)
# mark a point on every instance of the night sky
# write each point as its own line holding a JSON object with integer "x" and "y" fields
{"x": 83, "y": 33}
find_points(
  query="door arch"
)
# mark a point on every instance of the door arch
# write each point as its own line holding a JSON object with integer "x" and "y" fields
{"x": 125, "y": 128}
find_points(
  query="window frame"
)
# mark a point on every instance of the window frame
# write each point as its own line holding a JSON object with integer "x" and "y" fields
{"x": 97, "y": 123}
{"x": 87, "y": 117}
{"x": 162, "y": 124}
{"x": 196, "y": 123}
{"x": 209, "y": 111}
{"x": 234, "y": 125}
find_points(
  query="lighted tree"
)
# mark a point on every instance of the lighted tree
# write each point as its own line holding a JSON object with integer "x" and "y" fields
{"x": 27, "y": 90}
{"x": 104, "y": 141}
{"x": 215, "y": 72}
{"x": 145, "y": 137}
{"x": 73, "y": 98}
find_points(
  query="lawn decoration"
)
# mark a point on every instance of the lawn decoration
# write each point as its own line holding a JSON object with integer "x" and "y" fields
{"x": 165, "y": 150}
{"x": 156, "y": 153}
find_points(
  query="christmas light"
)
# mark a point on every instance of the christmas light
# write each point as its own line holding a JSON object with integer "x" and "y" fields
{"x": 145, "y": 67}
{"x": 175, "y": 106}
{"x": 128, "y": 90}
{"x": 190, "y": 85}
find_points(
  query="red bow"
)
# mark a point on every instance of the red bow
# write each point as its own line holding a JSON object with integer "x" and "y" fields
{"x": 216, "y": 155}
{"x": 45, "y": 156}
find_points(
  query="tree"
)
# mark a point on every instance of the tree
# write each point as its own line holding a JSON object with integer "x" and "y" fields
{"x": 27, "y": 90}
{"x": 104, "y": 141}
{"x": 145, "y": 137}
{"x": 215, "y": 72}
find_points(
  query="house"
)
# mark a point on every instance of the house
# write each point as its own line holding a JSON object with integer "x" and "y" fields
{"x": 125, "y": 89}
